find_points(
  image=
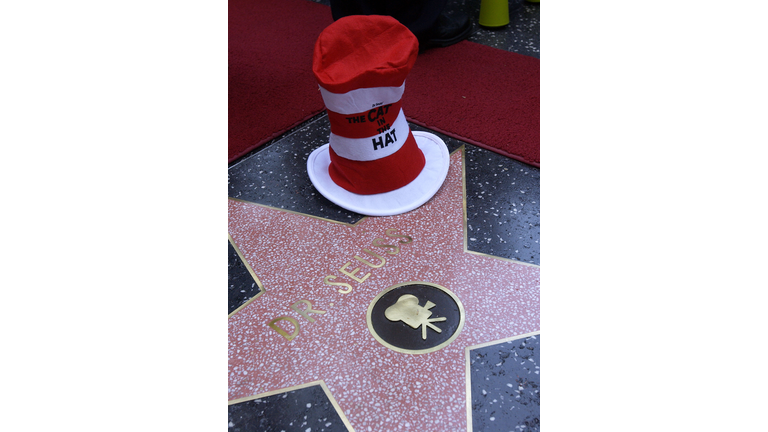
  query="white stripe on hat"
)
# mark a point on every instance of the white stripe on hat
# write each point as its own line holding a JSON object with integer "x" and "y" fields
{"x": 375, "y": 147}
{"x": 362, "y": 99}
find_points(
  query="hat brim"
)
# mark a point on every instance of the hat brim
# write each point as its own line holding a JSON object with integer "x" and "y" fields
{"x": 398, "y": 201}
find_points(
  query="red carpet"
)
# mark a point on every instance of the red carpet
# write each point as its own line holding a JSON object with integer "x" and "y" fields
{"x": 271, "y": 86}
{"x": 481, "y": 95}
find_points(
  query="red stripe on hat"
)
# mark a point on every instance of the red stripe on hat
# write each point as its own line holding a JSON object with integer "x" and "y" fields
{"x": 366, "y": 124}
{"x": 362, "y": 52}
{"x": 380, "y": 175}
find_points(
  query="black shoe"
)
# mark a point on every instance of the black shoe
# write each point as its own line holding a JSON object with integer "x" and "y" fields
{"x": 446, "y": 32}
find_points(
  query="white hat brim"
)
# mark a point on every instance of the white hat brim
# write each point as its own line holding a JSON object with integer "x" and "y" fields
{"x": 398, "y": 201}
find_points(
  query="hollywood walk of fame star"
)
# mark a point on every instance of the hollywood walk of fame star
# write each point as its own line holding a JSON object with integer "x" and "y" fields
{"x": 297, "y": 256}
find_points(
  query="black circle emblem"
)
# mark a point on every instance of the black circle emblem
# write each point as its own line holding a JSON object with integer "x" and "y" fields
{"x": 415, "y": 317}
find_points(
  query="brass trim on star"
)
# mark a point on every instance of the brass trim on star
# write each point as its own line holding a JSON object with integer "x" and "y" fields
{"x": 462, "y": 149}
{"x": 466, "y": 213}
{"x": 427, "y": 350}
{"x": 252, "y": 273}
{"x": 501, "y": 258}
{"x": 468, "y": 369}
{"x": 321, "y": 383}
{"x": 299, "y": 213}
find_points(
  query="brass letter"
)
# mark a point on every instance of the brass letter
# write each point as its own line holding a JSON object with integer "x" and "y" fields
{"x": 390, "y": 232}
{"x": 328, "y": 280}
{"x": 305, "y": 312}
{"x": 351, "y": 274}
{"x": 383, "y": 261}
{"x": 378, "y": 242}
{"x": 282, "y": 332}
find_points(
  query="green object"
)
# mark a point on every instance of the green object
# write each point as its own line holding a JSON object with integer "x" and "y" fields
{"x": 494, "y": 13}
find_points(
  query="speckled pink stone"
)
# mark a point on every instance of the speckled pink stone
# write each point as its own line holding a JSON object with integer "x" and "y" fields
{"x": 377, "y": 389}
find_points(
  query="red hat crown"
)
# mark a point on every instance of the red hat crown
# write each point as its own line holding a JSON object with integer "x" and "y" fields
{"x": 361, "y": 63}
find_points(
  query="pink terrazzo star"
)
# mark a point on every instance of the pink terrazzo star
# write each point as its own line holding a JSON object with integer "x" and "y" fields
{"x": 377, "y": 388}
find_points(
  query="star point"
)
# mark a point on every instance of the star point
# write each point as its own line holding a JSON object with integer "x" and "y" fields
{"x": 320, "y": 279}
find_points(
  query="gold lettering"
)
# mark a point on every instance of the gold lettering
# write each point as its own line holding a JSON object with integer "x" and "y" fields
{"x": 328, "y": 280}
{"x": 283, "y": 333}
{"x": 352, "y": 273}
{"x": 390, "y": 233}
{"x": 306, "y": 311}
{"x": 383, "y": 261}
{"x": 378, "y": 242}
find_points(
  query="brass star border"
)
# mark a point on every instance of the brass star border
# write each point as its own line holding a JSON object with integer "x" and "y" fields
{"x": 319, "y": 277}
{"x": 322, "y": 385}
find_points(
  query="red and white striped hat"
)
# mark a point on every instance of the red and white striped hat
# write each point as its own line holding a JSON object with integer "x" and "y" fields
{"x": 373, "y": 164}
